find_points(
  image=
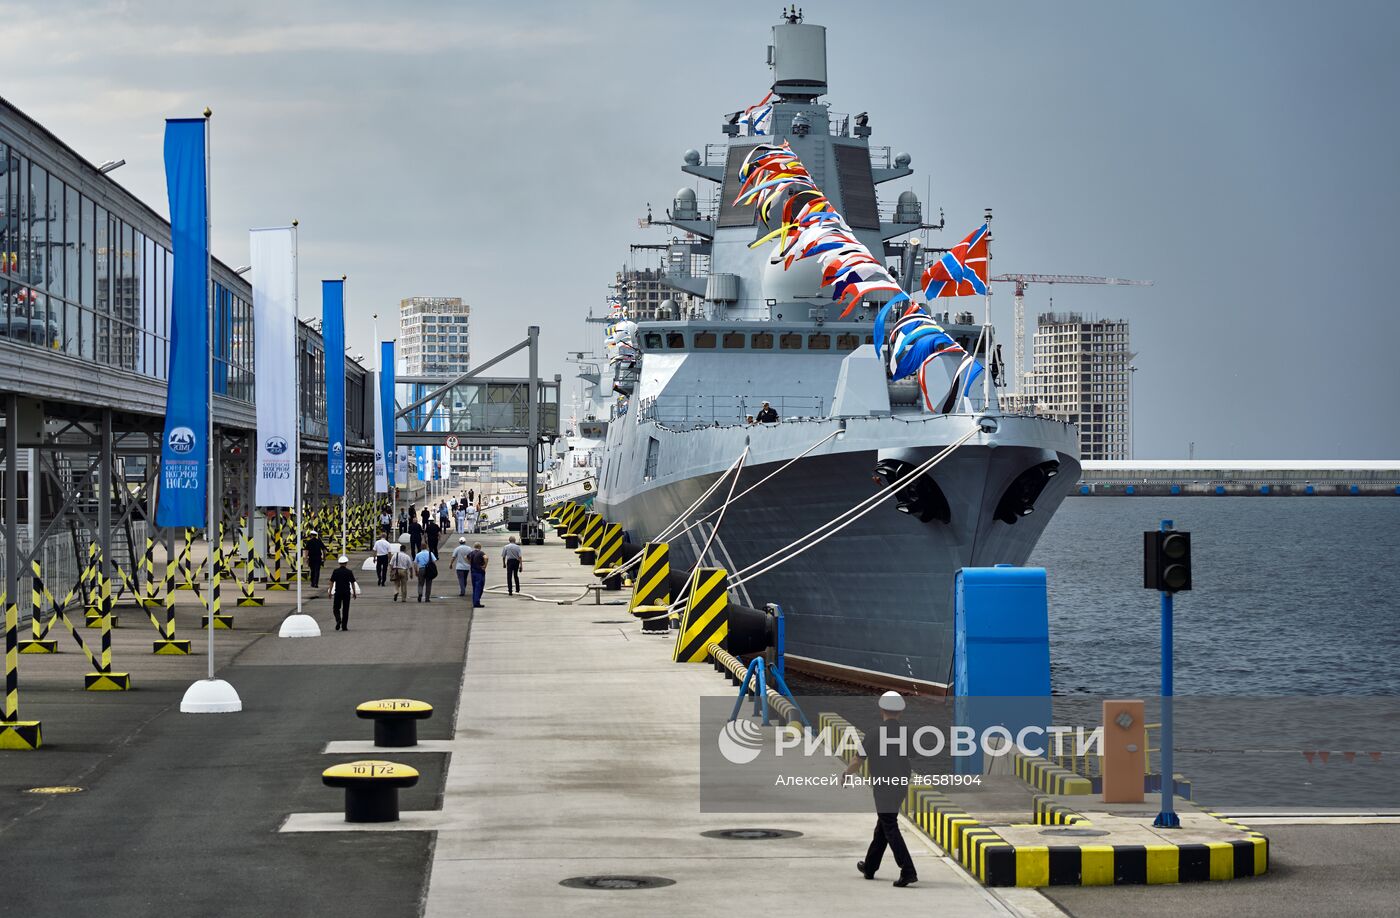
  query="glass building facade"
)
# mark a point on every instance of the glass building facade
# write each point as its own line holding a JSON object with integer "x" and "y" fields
{"x": 86, "y": 272}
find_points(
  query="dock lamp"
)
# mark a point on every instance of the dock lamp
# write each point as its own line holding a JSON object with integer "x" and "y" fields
{"x": 1166, "y": 567}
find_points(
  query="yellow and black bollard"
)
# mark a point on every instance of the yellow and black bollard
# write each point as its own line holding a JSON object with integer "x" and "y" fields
{"x": 651, "y": 591}
{"x": 705, "y": 621}
{"x": 588, "y": 541}
{"x": 15, "y": 733}
{"x": 608, "y": 555}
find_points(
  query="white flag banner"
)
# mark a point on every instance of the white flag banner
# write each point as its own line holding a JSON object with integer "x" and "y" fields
{"x": 273, "y": 276}
{"x": 401, "y": 462}
{"x": 381, "y": 470}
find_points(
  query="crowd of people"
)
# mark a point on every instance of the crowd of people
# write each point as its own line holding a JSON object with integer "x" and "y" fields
{"x": 412, "y": 559}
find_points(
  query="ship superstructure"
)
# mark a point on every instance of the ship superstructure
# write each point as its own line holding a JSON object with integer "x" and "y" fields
{"x": 873, "y": 601}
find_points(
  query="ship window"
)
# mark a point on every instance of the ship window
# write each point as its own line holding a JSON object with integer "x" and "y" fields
{"x": 733, "y": 340}
{"x": 819, "y": 342}
{"x": 652, "y": 340}
{"x": 675, "y": 341}
{"x": 762, "y": 341}
{"x": 790, "y": 342}
{"x": 847, "y": 342}
{"x": 704, "y": 340}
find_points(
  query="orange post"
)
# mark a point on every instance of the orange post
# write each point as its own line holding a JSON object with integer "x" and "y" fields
{"x": 1124, "y": 751}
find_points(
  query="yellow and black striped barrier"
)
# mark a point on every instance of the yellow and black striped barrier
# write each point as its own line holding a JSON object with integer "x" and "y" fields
{"x": 186, "y": 568}
{"x": 151, "y": 597}
{"x": 608, "y": 555}
{"x": 222, "y": 622}
{"x": 1046, "y": 811}
{"x": 39, "y": 642}
{"x": 1047, "y": 777}
{"x": 994, "y": 861}
{"x": 588, "y": 539}
{"x": 704, "y": 622}
{"x": 14, "y": 732}
{"x": 276, "y": 538}
{"x": 167, "y": 643}
{"x": 651, "y": 590}
{"x": 98, "y": 613}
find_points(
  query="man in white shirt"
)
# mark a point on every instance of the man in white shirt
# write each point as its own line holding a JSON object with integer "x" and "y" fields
{"x": 461, "y": 565}
{"x": 513, "y": 558}
{"x": 473, "y": 514}
{"x": 383, "y": 548}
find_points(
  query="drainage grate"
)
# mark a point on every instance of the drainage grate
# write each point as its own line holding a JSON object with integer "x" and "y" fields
{"x": 751, "y": 834}
{"x": 613, "y": 881}
{"x": 1072, "y": 831}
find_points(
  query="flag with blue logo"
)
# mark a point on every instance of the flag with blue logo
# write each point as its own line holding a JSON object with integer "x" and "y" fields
{"x": 274, "y": 279}
{"x": 184, "y": 450}
{"x": 333, "y": 333}
{"x": 384, "y": 452}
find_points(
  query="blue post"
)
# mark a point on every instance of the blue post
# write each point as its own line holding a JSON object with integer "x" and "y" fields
{"x": 1167, "y": 818}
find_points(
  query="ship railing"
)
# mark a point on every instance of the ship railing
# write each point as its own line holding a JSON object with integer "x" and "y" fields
{"x": 689, "y": 412}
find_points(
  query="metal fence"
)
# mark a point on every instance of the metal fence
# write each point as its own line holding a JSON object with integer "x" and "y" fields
{"x": 686, "y": 412}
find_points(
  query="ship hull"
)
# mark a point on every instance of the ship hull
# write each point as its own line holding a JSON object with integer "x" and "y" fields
{"x": 873, "y": 602}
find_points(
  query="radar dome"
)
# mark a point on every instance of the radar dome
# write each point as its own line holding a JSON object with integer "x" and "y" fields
{"x": 908, "y": 197}
{"x": 683, "y": 206}
{"x": 692, "y": 157}
{"x": 902, "y": 160}
{"x": 802, "y": 281}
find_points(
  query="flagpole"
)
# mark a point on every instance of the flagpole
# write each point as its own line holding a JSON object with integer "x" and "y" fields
{"x": 344, "y": 454}
{"x": 987, "y": 321}
{"x": 209, "y": 526}
{"x": 209, "y": 695}
{"x": 296, "y": 326}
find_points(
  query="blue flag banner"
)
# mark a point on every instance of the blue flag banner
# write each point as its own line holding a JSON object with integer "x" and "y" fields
{"x": 184, "y": 450}
{"x": 420, "y": 453}
{"x": 386, "y": 406}
{"x": 333, "y": 333}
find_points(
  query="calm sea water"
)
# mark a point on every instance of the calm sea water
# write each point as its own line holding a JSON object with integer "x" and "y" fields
{"x": 1291, "y": 596}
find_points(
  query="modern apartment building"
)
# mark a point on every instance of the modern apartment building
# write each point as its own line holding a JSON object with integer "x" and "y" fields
{"x": 1081, "y": 371}
{"x": 434, "y": 340}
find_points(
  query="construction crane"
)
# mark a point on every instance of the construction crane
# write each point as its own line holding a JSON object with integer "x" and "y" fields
{"x": 1018, "y": 368}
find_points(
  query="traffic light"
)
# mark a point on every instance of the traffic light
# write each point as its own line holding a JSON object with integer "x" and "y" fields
{"x": 1166, "y": 561}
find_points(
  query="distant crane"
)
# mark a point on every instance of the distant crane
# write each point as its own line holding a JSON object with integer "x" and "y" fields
{"x": 1018, "y": 368}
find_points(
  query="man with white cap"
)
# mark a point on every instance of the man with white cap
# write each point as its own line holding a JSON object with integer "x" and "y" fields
{"x": 343, "y": 586}
{"x": 889, "y": 773}
{"x": 461, "y": 564}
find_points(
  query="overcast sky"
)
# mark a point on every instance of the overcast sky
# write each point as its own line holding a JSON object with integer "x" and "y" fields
{"x": 1242, "y": 155}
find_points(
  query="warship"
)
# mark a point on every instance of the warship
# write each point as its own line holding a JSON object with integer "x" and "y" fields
{"x": 936, "y": 483}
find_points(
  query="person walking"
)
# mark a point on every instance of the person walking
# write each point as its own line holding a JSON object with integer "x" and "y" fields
{"x": 383, "y": 548}
{"x": 343, "y": 587}
{"x": 444, "y": 515}
{"x": 386, "y": 522}
{"x": 415, "y": 534}
{"x": 403, "y": 521}
{"x": 400, "y": 570}
{"x": 425, "y": 562}
{"x": 425, "y": 516}
{"x": 460, "y": 516}
{"x": 432, "y": 534}
{"x": 461, "y": 565}
{"x": 477, "y": 560}
{"x": 471, "y": 495}
{"x": 473, "y": 517}
{"x": 889, "y": 774}
{"x": 513, "y": 559}
{"x": 315, "y": 551}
